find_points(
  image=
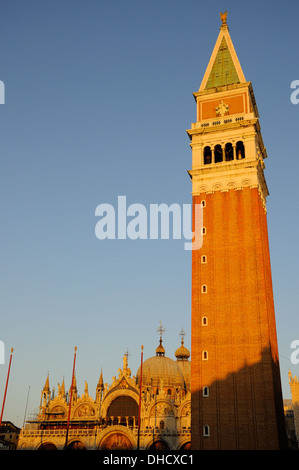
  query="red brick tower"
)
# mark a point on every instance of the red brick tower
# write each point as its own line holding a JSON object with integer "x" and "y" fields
{"x": 236, "y": 388}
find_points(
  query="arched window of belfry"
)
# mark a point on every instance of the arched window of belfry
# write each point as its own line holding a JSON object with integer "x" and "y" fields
{"x": 207, "y": 155}
{"x": 218, "y": 154}
{"x": 229, "y": 152}
{"x": 240, "y": 150}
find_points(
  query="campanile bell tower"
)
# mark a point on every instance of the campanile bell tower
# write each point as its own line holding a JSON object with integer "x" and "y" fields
{"x": 235, "y": 378}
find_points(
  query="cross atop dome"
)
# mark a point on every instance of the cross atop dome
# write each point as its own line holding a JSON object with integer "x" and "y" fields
{"x": 160, "y": 351}
{"x": 161, "y": 330}
{"x": 182, "y": 334}
{"x": 182, "y": 353}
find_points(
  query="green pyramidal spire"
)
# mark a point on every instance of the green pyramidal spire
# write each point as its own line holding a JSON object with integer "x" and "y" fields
{"x": 224, "y": 67}
{"x": 223, "y": 71}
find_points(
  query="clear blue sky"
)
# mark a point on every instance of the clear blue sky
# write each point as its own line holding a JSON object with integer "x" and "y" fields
{"x": 98, "y": 96}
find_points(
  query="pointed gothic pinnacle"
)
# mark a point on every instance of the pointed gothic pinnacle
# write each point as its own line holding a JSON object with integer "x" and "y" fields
{"x": 47, "y": 385}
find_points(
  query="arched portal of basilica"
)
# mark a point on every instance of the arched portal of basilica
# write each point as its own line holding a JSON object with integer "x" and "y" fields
{"x": 116, "y": 441}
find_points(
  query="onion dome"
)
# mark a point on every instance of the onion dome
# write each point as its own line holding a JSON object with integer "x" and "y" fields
{"x": 182, "y": 353}
{"x": 160, "y": 351}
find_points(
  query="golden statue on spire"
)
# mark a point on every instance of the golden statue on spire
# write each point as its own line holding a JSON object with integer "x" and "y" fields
{"x": 223, "y": 17}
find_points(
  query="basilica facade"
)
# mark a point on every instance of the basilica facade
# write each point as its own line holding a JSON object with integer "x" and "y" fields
{"x": 111, "y": 420}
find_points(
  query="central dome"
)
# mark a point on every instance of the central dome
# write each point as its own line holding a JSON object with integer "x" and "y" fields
{"x": 161, "y": 370}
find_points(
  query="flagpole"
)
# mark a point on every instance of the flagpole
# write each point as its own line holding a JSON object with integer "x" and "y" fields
{"x": 8, "y": 372}
{"x": 139, "y": 409}
{"x": 26, "y": 407}
{"x": 70, "y": 403}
